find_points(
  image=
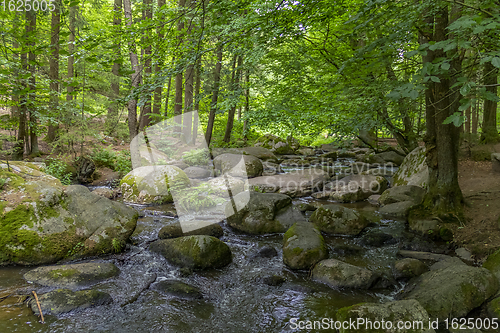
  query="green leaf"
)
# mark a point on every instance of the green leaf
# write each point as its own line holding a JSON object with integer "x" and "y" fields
{"x": 394, "y": 95}
{"x": 496, "y": 62}
{"x": 457, "y": 119}
{"x": 410, "y": 54}
{"x": 414, "y": 94}
{"x": 435, "y": 79}
{"x": 445, "y": 66}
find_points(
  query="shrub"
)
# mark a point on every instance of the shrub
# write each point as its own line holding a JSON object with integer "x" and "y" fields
{"x": 103, "y": 157}
{"x": 196, "y": 157}
{"x": 123, "y": 162}
{"x": 57, "y": 168}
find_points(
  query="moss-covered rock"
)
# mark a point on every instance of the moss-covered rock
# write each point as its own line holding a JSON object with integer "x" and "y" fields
{"x": 492, "y": 263}
{"x": 336, "y": 219}
{"x": 238, "y": 165}
{"x": 72, "y": 275}
{"x": 64, "y": 300}
{"x": 262, "y": 213}
{"x": 408, "y": 268}
{"x": 152, "y": 184}
{"x": 303, "y": 246}
{"x": 224, "y": 185}
{"x": 174, "y": 230}
{"x": 357, "y": 187}
{"x": 452, "y": 292}
{"x": 178, "y": 289}
{"x": 42, "y": 222}
{"x": 338, "y": 274}
{"x": 195, "y": 252}
{"x": 409, "y": 311}
{"x": 413, "y": 170}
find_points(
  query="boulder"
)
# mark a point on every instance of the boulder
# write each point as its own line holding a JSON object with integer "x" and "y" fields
{"x": 338, "y": 274}
{"x": 194, "y": 252}
{"x": 336, "y": 219}
{"x": 72, "y": 275}
{"x": 105, "y": 192}
{"x": 305, "y": 151}
{"x": 152, "y": 184}
{"x": 174, "y": 230}
{"x": 397, "y": 209}
{"x": 407, "y": 311}
{"x": 402, "y": 193}
{"x": 262, "y": 213}
{"x": 408, "y": 268}
{"x": 178, "y": 289}
{"x": 271, "y": 169}
{"x": 259, "y": 152}
{"x": 492, "y": 263}
{"x": 64, "y": 300}
{"x": 42, "y": 222}
{"x": 298, "y": 183}
{"x": 303, "y": 246}
{"x": 377, "y": 239}
{"x": 220, "y": 186}
{"x": 197, "y": 172}
{"x": 357, "y": 187}
{"x": 452, "y": 292}
{"x": 238, "y": 165}
{"x": 413, "y": 170}
{"x": 392, "y": 157}
{"x": 276, "y": 144}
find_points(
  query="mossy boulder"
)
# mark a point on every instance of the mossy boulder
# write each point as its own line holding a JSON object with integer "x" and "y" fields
{"x": 236, "y": 165}
{"x": 408, "y": 268}
{"x": 224, "y": 185}
{"x": 492, "y": 263}
{"x": 413, "y": 170}
{"x": 338, "y": 274}
{"x": 303, "y": 246}
{"x": 397, "y": 201}
{"x": 178, "y": 289}
{"x": 278, "y": 145}
{"x": 42, "y": 222}
{"x": 336, "y": 219}
{"x": 357, "y": 187}
{"x": 152, "y": 184}
{"x": 194, "y": 172}
{"x": 174, "y": 230}
{"x": 64, "y": 300}
{"x": 194, "y": 252}
{"x": 408, "y": 311}
{"x": 297, "y": 183}
{"x": 72, "y": 275}
{"x": 452, "y": 292}
{"x": 262, "y": 213}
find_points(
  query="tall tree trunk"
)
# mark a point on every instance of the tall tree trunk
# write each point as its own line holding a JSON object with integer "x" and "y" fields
{"x": 215, "y": 95}
{"x": 167, "y": 98}
{"x": 467, "y": 121}
{"x": 490, "y": 132}
{"x": 54, "y": 70}
{"x": 158, "y": 67}
{"x": 136, "y": 76}
{"x": 235, "y": 81}
{"x": 71, "y": 50}
{"x": 112, "y": 117}
{"x": 197, "y": 99}
{"x": 178, "y": 78}
{"x": 444, "y": 197}
{"x": 247, "y": 105}
{"x": 31, "y": 29}
{"x": 19, "y": 148}
{"x": 148, "y": 70}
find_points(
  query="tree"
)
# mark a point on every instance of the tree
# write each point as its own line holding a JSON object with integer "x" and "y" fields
{"x": 135, "y": 76}
{"x": 215, "y": 95}
{"x": 112, "y": 116}
{"x": 54, "y": 70}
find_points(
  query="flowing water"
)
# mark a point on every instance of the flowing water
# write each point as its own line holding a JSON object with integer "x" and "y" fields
{"x": 235, "y": 299}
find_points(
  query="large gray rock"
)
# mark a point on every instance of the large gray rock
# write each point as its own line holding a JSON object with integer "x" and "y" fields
{"x": 408, "y": 311}
{"x": 336, "y": 219}
{"x": 262, "y": 213}
{"x": 276, "y": 144}
{"x": 413, "y": 170}
{"x": 357, "y": 187}
{"x": 397, "y": 209}
{"x": 64, "y": 300}
{"x": 402, "y": 193}
{"x": 222, "y": 185}
{"x": 408, "y": 268}
{"x": 303, "y": 246}
{"x": 194, "y": 172}
{"x": 72, "y": 275}
{"x": 259, "y": 152}
{"x": 178, "y": 289}
{"x": 338, "y": 274}
{"x": 151, "y": 184}
{"x": 238, "y": 165}
{"x": 271, "y": 169}
{"x": 392, "y": 157}
{"x": 174, "y": 230}
{"x": 298, "y": 183}
{"x": 195, "y": 252}
{"x": 452, "y": 292}
{"x": 42, "y": 222}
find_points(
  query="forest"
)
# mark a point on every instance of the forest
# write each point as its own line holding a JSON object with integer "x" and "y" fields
{"x": 79, "y": 80}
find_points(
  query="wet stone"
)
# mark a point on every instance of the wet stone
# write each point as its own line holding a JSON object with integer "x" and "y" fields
{"x": 178, "y": 289}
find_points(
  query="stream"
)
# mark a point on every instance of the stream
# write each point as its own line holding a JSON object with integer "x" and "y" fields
{"x": 235, "y": 299}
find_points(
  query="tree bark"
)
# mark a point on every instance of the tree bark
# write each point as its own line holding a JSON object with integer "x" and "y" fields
{"x": 71, "y": 50}
{"x": 148, "y": 70}
{"x": 136, "y": 76}
{"x": 215, "y": 95}
{"x": 112, "y": 117}
{"x": 158, "y": 67}
{"x": 54, "y": 71}
{"x": 235, "y": 82}
{"x": 31, "y": 29}
{"x": 197, "y": 99}
{"x": 179, "y": 76}
{"x": 247, "y": 105}
{"x": 489, "y": 129}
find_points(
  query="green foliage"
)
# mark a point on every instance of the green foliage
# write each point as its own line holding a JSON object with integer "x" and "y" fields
{"x": 103, "y": 157}
{"x": 3, "y": 181}
{"x": 123, "y": 162}
{"x": 196, "y": 198}
{"x": 196, "y": 157}
{"x": 58, "y": 169}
